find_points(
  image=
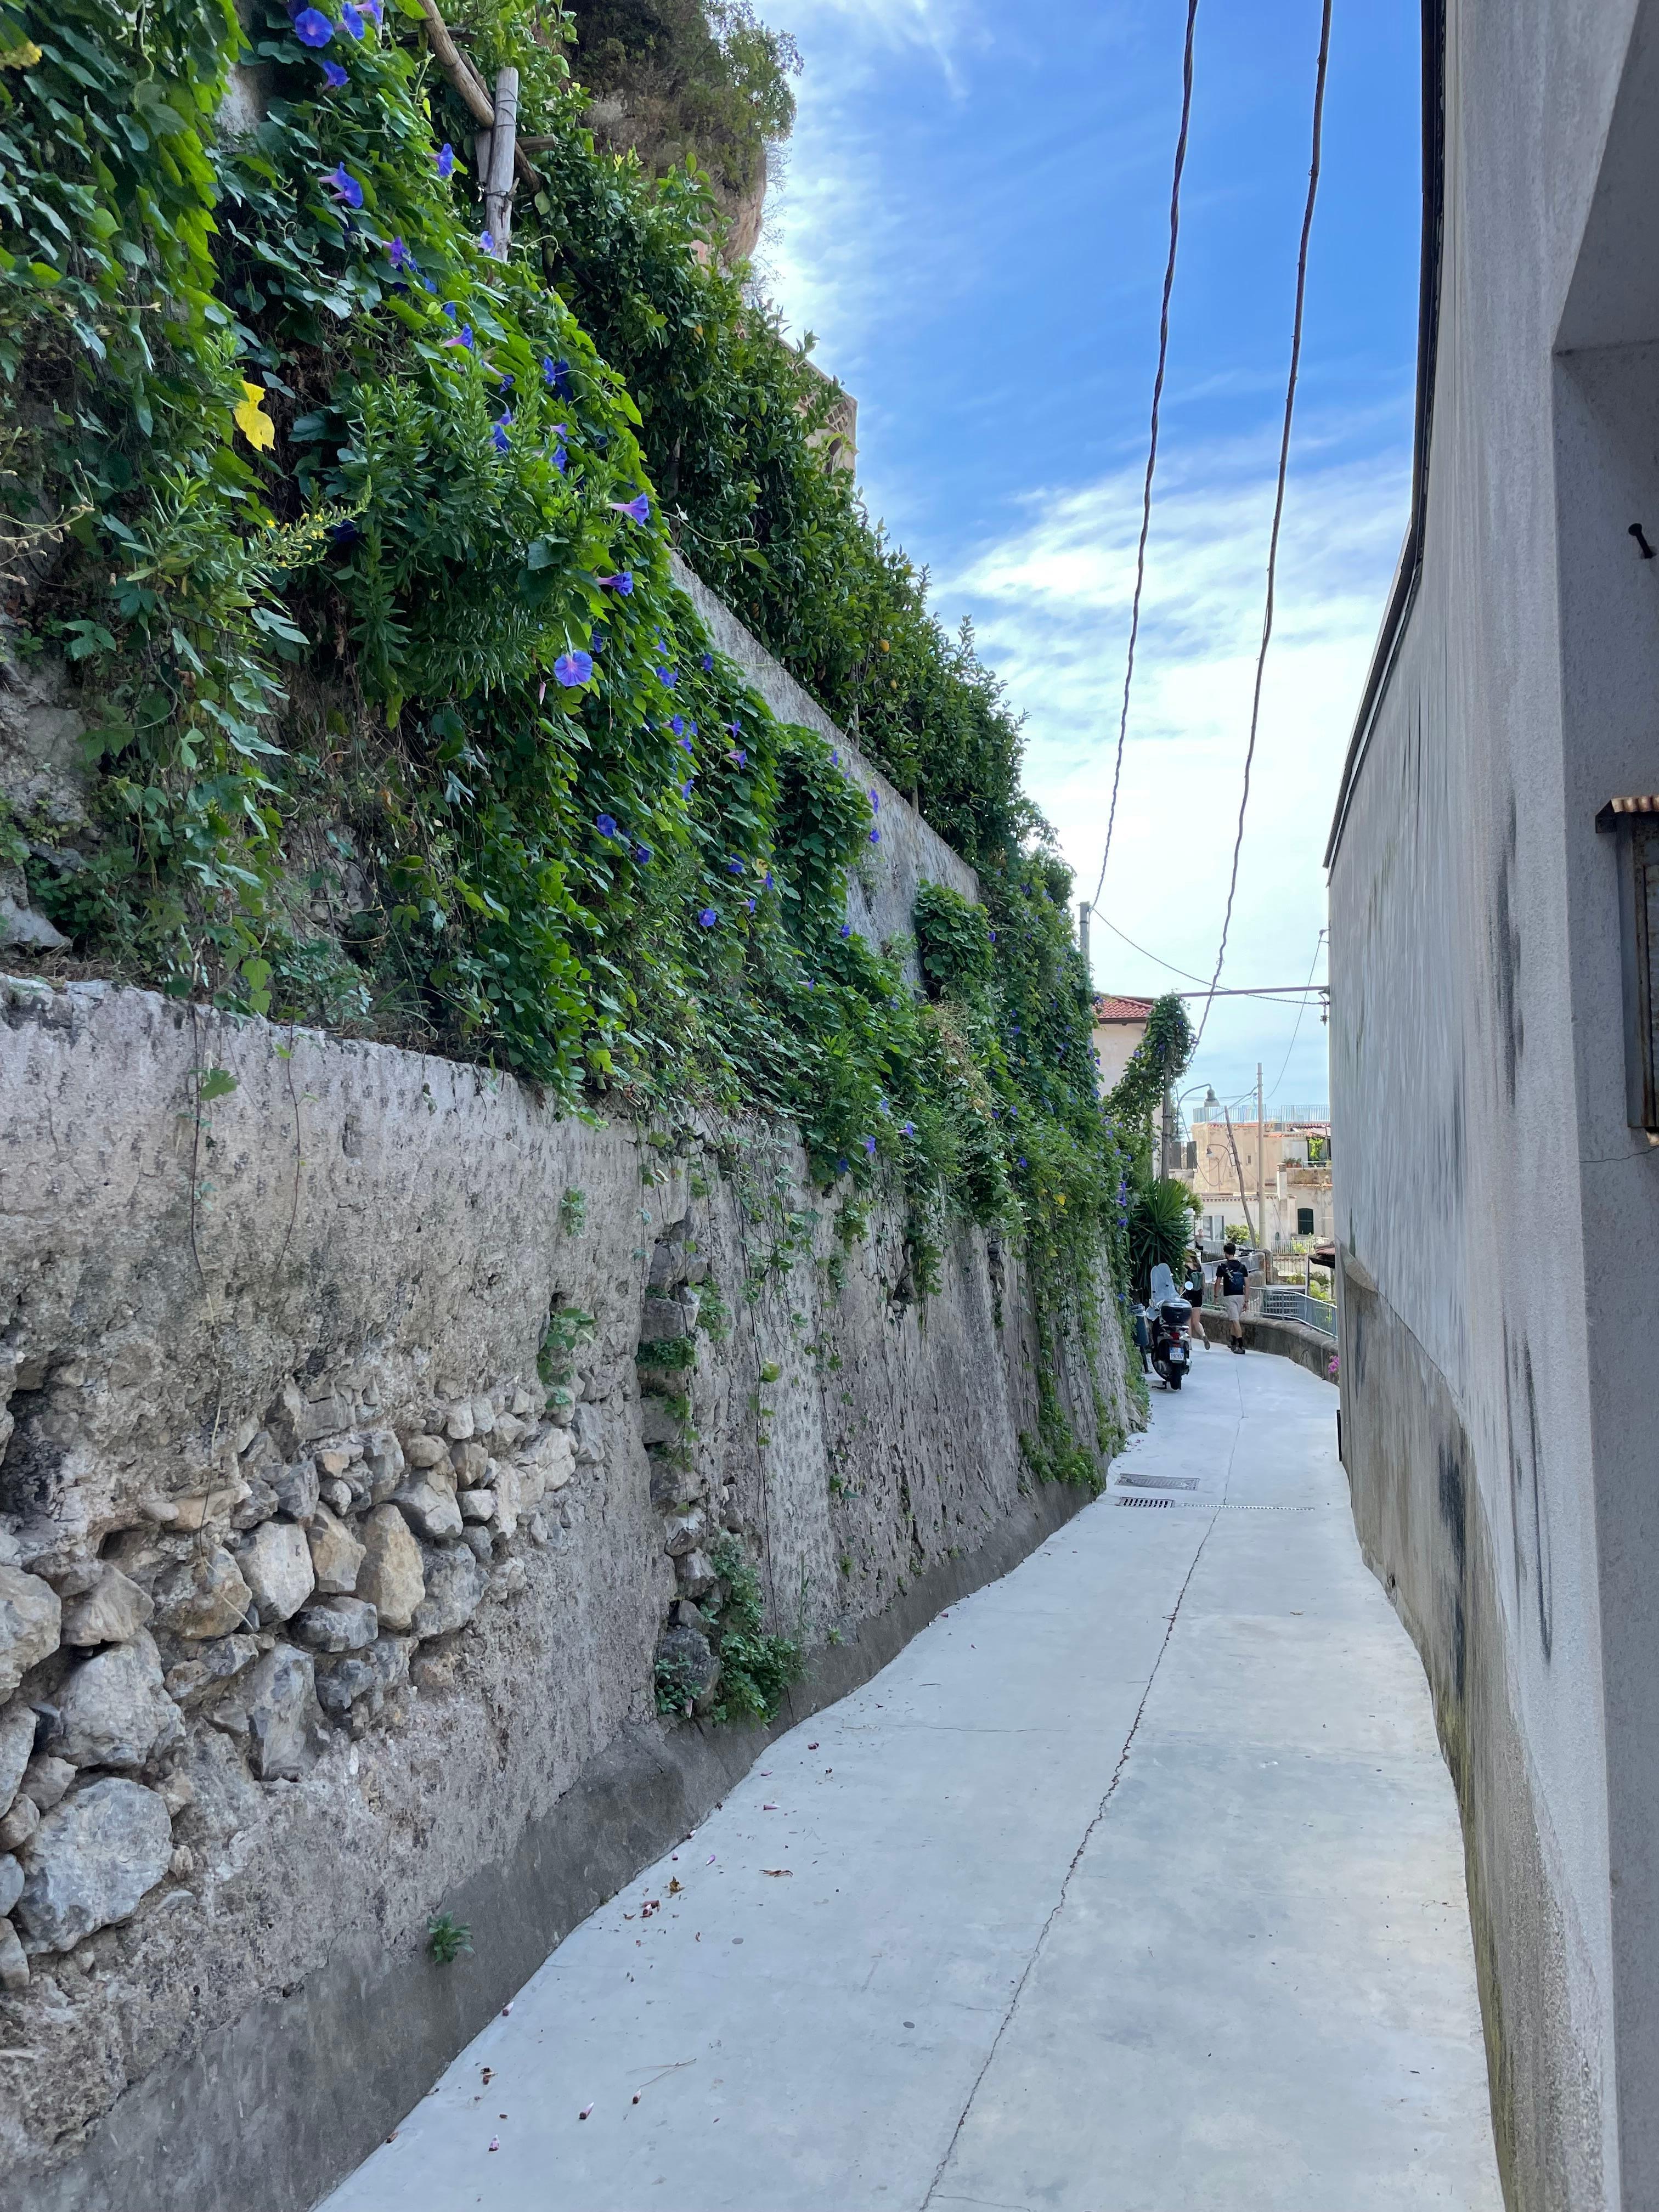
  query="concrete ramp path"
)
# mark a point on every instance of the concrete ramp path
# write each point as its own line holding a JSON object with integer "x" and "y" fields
{"x": 1134, "y": 1884}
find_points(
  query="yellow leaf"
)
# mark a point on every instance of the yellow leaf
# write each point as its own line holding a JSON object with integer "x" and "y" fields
{"x": 255, "y": 426}
{"x": 23, "y": 56}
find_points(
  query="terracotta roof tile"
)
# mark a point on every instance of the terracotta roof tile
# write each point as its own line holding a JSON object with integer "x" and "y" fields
{"x": 1121, "y": 1009}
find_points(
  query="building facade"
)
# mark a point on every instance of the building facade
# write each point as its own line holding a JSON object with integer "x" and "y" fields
{"x": 1120, "y": 1024}
{"x": 1496, "y": 1192}
{"x": 1218, "y": 1166}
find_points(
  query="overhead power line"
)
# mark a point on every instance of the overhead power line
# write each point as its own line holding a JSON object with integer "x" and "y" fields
{"x": 1301, "y": 1010}
{"x": 1279, "y": 495}
{"x": 1152, "y": 447}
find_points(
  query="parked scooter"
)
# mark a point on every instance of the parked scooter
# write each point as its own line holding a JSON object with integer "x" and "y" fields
{"x": 1169, "y": 1328}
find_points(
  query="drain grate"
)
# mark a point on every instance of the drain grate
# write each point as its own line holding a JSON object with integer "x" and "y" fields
{"x": 1210, "y": 1505}
{"x": 1143, "y": 1501}
{"x": 1158, "y": 1481}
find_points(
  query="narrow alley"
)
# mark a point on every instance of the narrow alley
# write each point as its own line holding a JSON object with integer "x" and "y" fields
{"x": 1134, "y": 1884}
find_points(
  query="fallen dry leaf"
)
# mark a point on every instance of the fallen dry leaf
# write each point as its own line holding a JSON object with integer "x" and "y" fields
{"x": 675, "y": 1886}
{"x": 778, "y": 1870}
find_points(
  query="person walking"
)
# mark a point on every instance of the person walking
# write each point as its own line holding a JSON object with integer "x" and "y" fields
{"x": 1231, "y": 1278}
{"x": 1193, "y": 1287}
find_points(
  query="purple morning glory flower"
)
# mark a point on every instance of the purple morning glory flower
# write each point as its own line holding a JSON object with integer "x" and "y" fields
{"x": 373, "y": 8}
{"x": 464, "y": 339}
{"x": 685, "y": 788}
{"x": 835, "y": 758}
{"x": 875, "y": 802}
{"x": 498, "y": 433}
{"x": 351, "y": 20}
{"x": 808, "y": 981}
{"x": 332, "y": 73}
{"x": 708, "y": 918}
{"x": 573, "y": 668}
{"x": 622, "y": 583}
{"x": 768, "y": 884}
{"x": 445, "y": 159}
{"x": 506, "y": 384}
{"x": 707, "y": 664}
{"x": 311, "y": 28}
{"x": 399, "y": 255}
{"x": 558, "y": 459}
{"x": 487, "y": 242}
{"x": 735, "y": 728}
{"x": 557, "y": 372}
{"x": 677, "y": 723}
{"x": 636, "y": 510}
{"x": 750, "y": 903}
{"x": 840, "y": 1167}
{"x": 734, "y": 867}
{"x": 340, "y": 179}
{"x": 994, "y": 937}
{"x": 739, "y": 757}
{"x": 605, "y": 825}
{"x": 847, "y": 929}
{"x": 687, "y": 745}
{"x": 908, "y": 1127}
{"x": 343, "y": 533}
{"x": 870, "y": 1146}
{"x": 875, "y": 836}
{"x": 668, "y": 678}
{"x": 642, "y": 854}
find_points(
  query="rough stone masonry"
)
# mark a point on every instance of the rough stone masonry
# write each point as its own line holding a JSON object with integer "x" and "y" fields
{"x": 371, "y": 1442}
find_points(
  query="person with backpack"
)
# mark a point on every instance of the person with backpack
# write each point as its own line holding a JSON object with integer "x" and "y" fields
{"x": 1231, "y": 1278}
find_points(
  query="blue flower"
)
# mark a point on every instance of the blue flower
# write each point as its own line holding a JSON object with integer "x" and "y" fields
{"x": 558, "y": 459}
{"x": 835, "y": 758}
{"x": 875, "y": 836}
{"x": 994, "y": 937}
{"x": 332, "y": 73}
{"x": 1022, "y": 1159}
{"x": 642, "y": 854}
{"x": 622, "y": 583}
{"x": 506, "y": 385}
{"x": 870, "y": 1146}
{"x": 668, "y": 678}
{"x": 685, "y": 788}
{"x": 847, "y": 929}
{"x": 446, "y": 159}
{"x": 343, "y": 533}
{"x": 498, "y": 434}
{"x": 734, "y": 867}
{"x": 908, "y": 1127}
{"x": 465, "y": 339}
{"x": 399, "y": 255}
{"x": 636, "y": 510}
{"x": 311, "y": 28}
{"x": 487, "y": 242}
{"x": 708, "y": 918}
{"x": 707, "y": 664}
{"x": 573, "y": 668}
{"x": 373, "y": 8}
{"x": 556, "y": 372}
{"x": 875, "y": 802}
{"x": 677, "y": 723}
{"x": 605, "y": 825}
{"x": 352, "y": 21}
{"x": 750, "y": 903}
{"x": 340, "y": 179}
{"x": 686, "y": 745}
{"x": 738, "y": 757}
{"x": 768, "y": 884}
{"x": 595, "y": 638}
{"x": 840, "y": 1166}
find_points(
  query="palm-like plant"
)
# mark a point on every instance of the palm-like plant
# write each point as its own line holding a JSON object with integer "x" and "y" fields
{"x": 1160, "y": 1229}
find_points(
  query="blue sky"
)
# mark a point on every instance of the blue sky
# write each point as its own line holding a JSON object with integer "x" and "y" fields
{"x": 974, "y": 220}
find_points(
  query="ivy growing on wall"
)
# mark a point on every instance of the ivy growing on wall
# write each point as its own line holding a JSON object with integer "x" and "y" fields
{"x": 353, "y": 539}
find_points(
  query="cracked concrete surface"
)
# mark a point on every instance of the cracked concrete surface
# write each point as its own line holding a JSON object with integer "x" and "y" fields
{"x": 1133, "y": 1885}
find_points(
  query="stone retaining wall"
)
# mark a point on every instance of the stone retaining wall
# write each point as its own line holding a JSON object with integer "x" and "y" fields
{"x": 371, "y": 1438}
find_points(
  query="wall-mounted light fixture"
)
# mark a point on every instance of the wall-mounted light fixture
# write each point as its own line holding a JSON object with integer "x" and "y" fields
{"x": 1635, "y": 823}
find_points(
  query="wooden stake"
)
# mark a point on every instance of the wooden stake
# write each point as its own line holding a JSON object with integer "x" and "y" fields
{"x": 498, "y": 181}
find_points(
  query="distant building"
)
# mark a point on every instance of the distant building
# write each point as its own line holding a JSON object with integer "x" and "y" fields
{"x": 1120, "y": 1024}
{"x": 1295, "y": 1153}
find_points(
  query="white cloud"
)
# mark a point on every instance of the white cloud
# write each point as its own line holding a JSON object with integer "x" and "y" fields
{"x": 1051, "y": 602}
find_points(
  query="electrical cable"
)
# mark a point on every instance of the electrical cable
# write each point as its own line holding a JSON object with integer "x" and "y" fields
{"x": 1151, "y": 449}
{"x": 1302, "y": 1008}
{"x": 1279, "y": 495}
{"x": 1096, "y": 915}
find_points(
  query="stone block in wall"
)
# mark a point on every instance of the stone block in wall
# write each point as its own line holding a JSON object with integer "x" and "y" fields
{"x": 30, "y": 1617}
{"x": 91, "y": 1861}
{"x": 392, "y": 1577}
{"x": 114, "y": 1709}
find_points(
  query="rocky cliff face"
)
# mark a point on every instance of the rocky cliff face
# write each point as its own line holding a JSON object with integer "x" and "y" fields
{"x": 377, "y": 1456}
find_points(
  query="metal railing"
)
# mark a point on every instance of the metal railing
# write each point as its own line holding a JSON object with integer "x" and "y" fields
{"x": 1279, "y": 1304}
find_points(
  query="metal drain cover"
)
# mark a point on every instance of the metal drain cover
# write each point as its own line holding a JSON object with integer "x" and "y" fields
{"x": 1158, "y": 1481}
{"x": 1123, "y": 1500}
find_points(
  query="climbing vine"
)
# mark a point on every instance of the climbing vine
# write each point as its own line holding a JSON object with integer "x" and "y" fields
{"x": 354, "y": 539}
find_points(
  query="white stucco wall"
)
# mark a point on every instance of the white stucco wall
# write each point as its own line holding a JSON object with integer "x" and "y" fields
{"x": 1497, "y": 1216}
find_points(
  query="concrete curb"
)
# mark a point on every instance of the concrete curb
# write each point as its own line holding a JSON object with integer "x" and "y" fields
{"x": 1292, "y": 1340}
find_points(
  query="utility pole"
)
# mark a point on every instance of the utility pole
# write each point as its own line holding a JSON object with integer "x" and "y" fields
{"x": 1261, "y": 1155}
{"x": 1243, "y": 1195}
{"x": 1084, "y": 910}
